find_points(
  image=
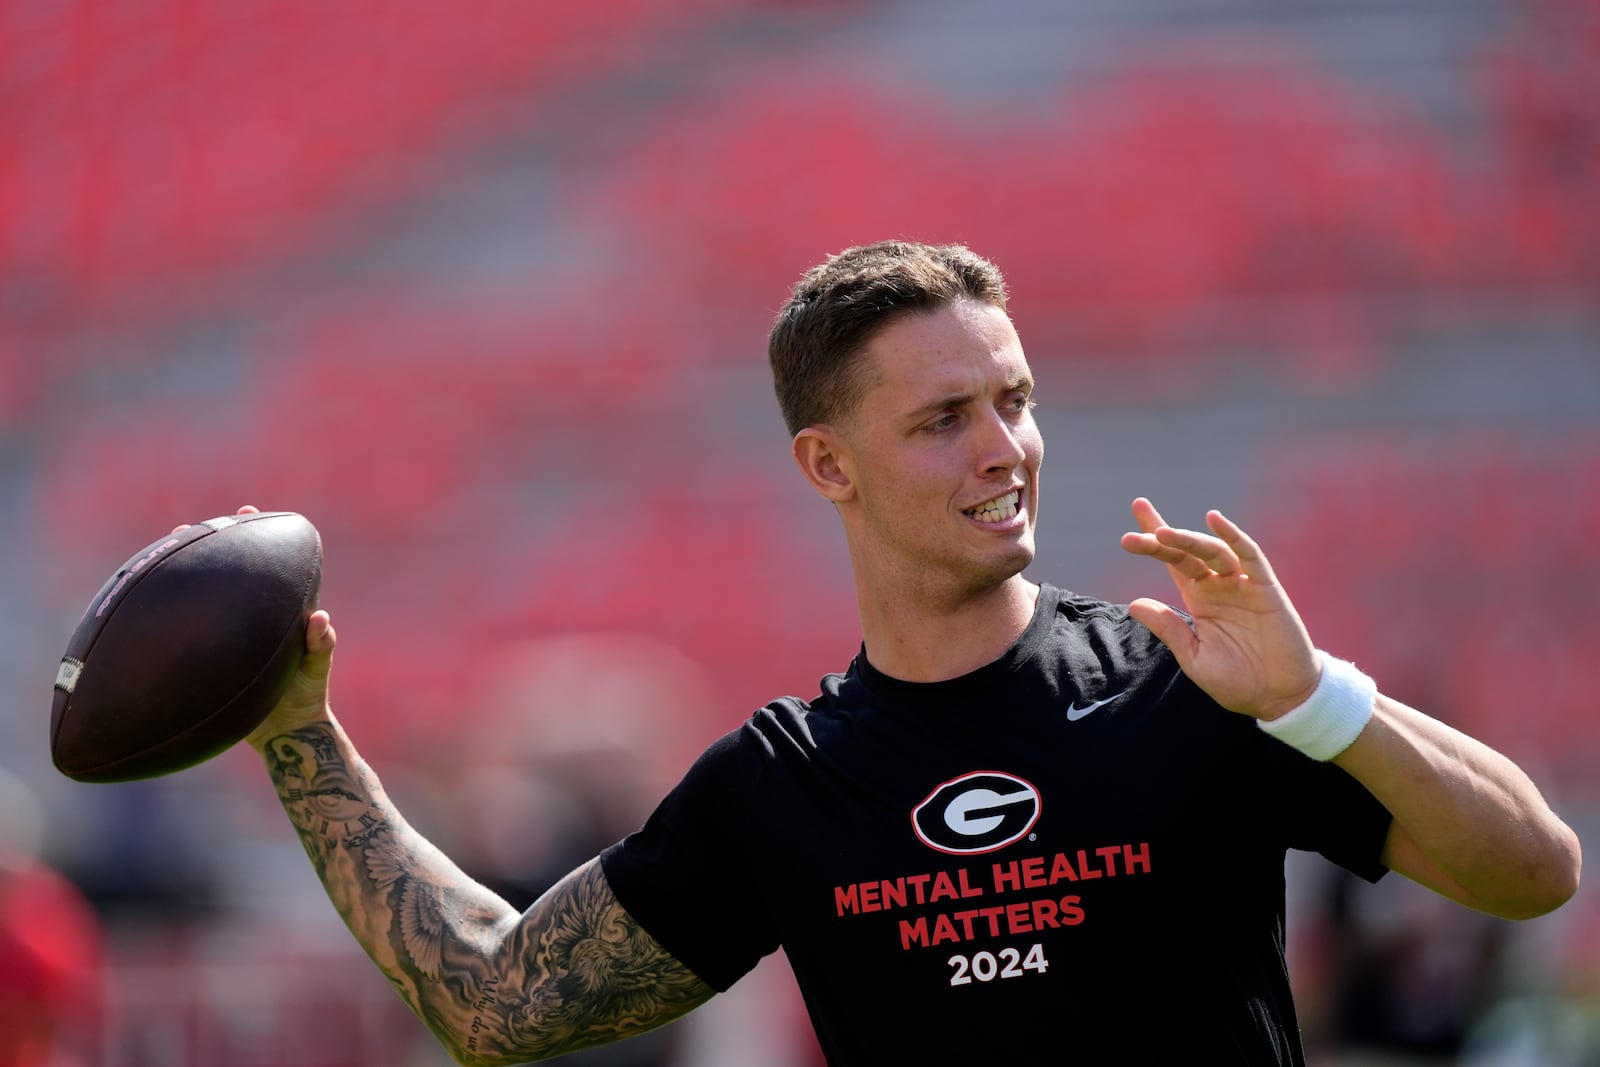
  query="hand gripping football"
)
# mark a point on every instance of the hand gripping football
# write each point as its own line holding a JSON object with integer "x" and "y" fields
{"x": 186, "y": 648}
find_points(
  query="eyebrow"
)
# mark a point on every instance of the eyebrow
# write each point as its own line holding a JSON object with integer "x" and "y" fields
{"x": 956, "y": 400}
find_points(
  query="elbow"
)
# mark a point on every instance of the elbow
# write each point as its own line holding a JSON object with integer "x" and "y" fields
{"x": 1553, "y": 879}
{"x": 1569, "y": 870}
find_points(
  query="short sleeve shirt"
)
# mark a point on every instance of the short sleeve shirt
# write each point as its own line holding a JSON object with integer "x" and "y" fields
{"x": 1070, "y": 855}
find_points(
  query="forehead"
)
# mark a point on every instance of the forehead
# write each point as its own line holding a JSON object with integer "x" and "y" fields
{"x": 965, "y": 346}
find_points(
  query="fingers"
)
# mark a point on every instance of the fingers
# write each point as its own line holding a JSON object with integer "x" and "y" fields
{"x": 1151, "y": 544}
{"x": 248, "y": 509}
{"x": 1226, "y": 551}
{"x": 1252, "y": 561}
{"x": 1146, "y": 515}
{"x": 1215, "y": 555}
{"x": 1190, "y": 554}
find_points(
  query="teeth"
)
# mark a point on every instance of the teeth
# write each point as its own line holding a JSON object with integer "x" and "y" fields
{"x": 997, "y": 510}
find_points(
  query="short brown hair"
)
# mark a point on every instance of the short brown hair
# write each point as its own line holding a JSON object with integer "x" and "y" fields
{"x": 837, "y": 306}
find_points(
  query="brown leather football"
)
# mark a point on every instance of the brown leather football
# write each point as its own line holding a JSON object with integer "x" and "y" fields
{"x": 186, "y": 648}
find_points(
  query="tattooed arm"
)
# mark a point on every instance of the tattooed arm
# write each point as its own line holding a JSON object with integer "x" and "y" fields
{"x": 495, "y": 987}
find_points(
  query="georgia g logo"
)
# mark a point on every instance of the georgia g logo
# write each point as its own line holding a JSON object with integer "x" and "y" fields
{"x": 977, "y": 812}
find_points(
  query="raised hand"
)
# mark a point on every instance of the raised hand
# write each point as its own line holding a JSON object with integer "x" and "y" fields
{"x": 306, "y": 699}
{"x": 1244, "y": 643}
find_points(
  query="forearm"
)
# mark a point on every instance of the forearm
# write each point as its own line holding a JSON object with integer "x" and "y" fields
{"x": 432, "y": 931}
{"x": 494, "y": 986}
{"x": 1468, "y": 822}
{"x": 575, "y": 970}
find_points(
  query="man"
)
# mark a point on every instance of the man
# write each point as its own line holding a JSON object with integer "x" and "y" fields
{"x": 1023, "y": 824}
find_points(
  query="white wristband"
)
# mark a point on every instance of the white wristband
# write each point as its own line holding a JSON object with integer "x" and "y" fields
{"x": 1331, "y": 718}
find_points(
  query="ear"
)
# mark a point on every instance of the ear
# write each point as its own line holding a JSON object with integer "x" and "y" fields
{"x": 823, "y": 457}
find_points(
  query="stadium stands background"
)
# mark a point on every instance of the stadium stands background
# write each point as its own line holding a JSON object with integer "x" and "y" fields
{"x": 483, "y": 290}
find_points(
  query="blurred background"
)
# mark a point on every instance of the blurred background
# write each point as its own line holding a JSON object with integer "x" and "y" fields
{"x": 483, "y": 288}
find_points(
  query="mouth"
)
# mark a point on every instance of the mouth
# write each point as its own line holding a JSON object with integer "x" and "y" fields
{"x": 1001, "y": 509}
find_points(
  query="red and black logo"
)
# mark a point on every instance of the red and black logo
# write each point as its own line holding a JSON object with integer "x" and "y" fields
{"x": 978, "y": 812}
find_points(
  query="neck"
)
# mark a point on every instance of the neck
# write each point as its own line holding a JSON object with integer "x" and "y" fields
{"x": 918, "y": 636}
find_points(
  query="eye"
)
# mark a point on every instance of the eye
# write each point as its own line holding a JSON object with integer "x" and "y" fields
{"x": 941, "y": 424}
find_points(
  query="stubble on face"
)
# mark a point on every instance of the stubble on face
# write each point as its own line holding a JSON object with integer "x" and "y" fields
{"x": 943, "y": 425}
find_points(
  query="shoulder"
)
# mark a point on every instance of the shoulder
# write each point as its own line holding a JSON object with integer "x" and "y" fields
{"x": 1083, "y": 612}
{"x": 740, "y": 759}
{"x": 1101, "y": 631}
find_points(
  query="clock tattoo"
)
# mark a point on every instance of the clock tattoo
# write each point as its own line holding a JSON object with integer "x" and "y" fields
{"x": 325, "y": 799}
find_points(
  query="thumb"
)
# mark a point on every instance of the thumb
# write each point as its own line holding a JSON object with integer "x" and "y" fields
{"x": 1169, "y": 626}
{"x": 320, "y": 641}
{"x": 308, "y": 692}
{"x": 306, "y": 699}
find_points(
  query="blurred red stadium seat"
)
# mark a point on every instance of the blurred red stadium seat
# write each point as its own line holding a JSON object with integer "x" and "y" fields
{"x": 153, "y": 141}
{"x": 1155, "y": 199}
{"x": 1454, "y": 572}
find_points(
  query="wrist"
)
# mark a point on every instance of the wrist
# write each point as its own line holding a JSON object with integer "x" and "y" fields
{"x": 281, "y": 723}
{"x": 1333, "y": 716}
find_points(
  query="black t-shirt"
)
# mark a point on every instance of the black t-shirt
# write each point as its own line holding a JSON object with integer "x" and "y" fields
{"x": 1070, "y": 855}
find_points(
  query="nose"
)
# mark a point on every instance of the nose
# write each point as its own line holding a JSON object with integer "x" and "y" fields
{"x": 1000, "y": 445}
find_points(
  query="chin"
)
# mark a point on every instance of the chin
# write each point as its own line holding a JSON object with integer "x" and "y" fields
{"x": 1021, "y": 551}
{"x": 1002, "y": 568}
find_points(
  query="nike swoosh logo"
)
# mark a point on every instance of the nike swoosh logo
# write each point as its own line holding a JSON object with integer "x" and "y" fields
{"x": 1074, "y": 713}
